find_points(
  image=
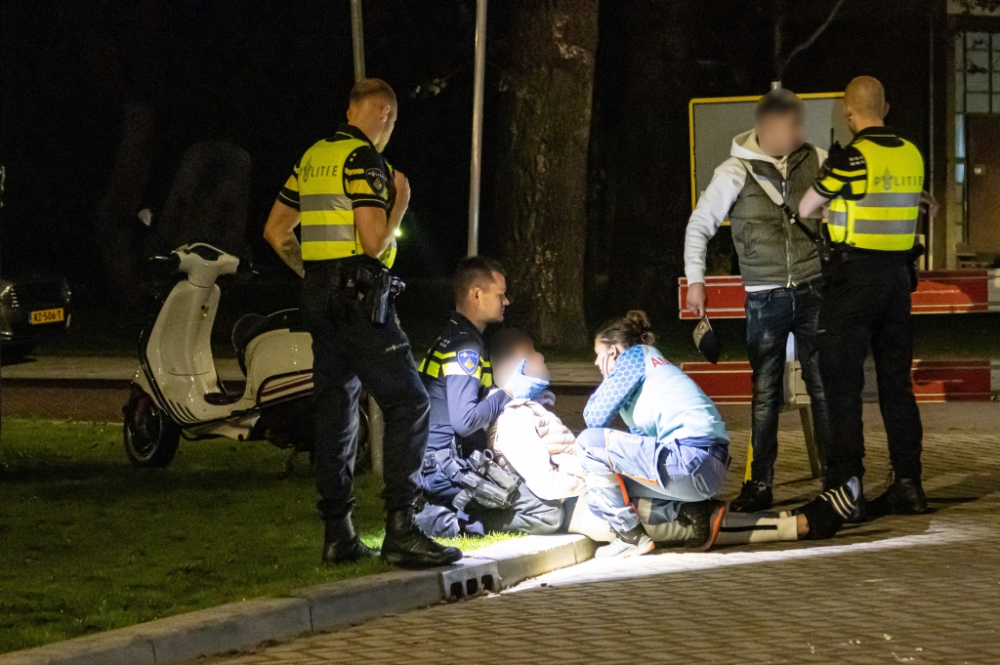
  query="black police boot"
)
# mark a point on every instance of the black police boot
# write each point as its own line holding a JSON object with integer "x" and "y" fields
{"x": 905, "y": 496}
{"x": 754, "y": 497}
{"x": 342, "y": 545}
{"x": 705, "y": 519}
{"x": 406, "y": 545}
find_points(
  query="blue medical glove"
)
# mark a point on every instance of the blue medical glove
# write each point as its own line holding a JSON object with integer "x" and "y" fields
{"x": 522, "y": 386}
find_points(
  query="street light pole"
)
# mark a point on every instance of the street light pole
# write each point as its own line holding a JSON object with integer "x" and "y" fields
{"x": 376, "y": 421}
{"x": 475, "y": 171}
{"x": 358, "y": 39}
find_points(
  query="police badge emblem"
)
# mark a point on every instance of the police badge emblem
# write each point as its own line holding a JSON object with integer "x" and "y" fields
{"x": 376, "y": 179}
{"x": 468, "y": 360}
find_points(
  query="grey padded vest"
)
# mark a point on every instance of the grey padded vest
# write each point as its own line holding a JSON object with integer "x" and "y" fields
{"x": 771, "y": 251}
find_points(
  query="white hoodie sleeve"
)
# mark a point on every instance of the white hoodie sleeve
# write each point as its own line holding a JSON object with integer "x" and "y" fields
{"x": 518, "y": 440}
{"x": 708, "y": 215}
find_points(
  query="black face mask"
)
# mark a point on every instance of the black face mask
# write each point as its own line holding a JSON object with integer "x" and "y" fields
{"x": 708, "y": 343}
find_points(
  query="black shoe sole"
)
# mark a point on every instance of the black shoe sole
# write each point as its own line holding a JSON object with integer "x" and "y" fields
{"x": 409, "y": 560}
{"x": 369, "y": 555}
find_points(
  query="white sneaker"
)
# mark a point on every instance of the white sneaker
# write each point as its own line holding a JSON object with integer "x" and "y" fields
{"x": 625, "y": 545}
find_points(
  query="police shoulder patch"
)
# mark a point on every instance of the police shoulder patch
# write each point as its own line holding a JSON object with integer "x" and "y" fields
{"x": 376, "y": 179}
{"x": 468, "y": 360}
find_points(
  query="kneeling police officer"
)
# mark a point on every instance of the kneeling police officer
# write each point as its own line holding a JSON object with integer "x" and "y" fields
{"x": 350, "y": 203}
{"x": 466, "y": 491}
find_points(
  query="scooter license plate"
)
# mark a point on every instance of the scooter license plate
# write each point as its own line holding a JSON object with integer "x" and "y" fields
{"x": 42, "y": 316}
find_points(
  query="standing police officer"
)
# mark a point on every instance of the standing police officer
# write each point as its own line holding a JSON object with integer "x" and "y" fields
{"x": 874, "y": 186}
{"x": 350, "y": 203}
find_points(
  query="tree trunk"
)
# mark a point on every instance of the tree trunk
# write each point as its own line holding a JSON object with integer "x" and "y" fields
{"x": 640, "y": 169}
{"x": 547, "y": 64}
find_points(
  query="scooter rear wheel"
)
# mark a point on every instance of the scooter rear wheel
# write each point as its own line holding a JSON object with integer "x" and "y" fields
{"x": 151, "y": 437}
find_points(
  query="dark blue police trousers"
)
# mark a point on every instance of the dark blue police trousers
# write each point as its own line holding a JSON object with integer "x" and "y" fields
{"x": 348, "y": 351}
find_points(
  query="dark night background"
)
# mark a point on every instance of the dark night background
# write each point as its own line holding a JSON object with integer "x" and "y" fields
{"x": 272, "y": 77}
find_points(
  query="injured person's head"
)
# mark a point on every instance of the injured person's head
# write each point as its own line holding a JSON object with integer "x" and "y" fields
{"x": 508, "y": 347}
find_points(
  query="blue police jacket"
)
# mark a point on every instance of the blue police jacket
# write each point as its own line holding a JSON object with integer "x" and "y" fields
{"x": 457, "y": 374}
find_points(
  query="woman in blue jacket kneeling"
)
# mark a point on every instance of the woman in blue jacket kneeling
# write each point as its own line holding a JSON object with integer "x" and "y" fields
{"x": 676, "y": 449}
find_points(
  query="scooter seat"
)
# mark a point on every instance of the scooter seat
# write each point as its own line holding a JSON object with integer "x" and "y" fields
{"x": 250, "y": 326}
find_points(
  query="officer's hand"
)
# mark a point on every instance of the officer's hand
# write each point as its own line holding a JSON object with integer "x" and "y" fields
{"x": 928, "y": 204}
{"x": 522, "y": 386}
{"x": 402, "y": 191}
{"x": 697, "y": 299}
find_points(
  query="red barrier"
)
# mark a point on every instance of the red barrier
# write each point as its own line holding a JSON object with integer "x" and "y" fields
{"x": 933, "y": 380}
{"x": 938, "y": 292}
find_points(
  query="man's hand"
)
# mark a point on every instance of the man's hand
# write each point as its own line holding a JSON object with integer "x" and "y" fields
{"x": 928, "y": 204}
{"x": 402, "y": 202}
{"x": 811, "y": 202}
{"x": 697, "y": 299}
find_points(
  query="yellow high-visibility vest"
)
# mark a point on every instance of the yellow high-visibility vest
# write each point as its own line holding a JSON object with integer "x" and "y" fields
{"x": 331, "y": 179}
{"x": 885, "y": 218}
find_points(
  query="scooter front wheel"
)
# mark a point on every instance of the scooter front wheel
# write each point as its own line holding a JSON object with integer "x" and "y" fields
{"x": 151, "y": 437}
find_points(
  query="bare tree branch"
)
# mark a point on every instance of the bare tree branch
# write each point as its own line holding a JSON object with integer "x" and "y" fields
{"x": 812, "y": 38}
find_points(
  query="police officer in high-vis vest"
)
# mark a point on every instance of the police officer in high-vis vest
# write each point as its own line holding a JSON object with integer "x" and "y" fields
{"x": 874, "y": 187}
{"x": 349, "y": 203}
{"x": 464, "y": 404}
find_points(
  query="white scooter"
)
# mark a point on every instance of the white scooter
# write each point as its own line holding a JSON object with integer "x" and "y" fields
{"x": 177, "y": 392}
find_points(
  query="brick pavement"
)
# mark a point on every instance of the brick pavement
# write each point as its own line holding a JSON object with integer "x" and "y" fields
{"x": 922, "y": 589}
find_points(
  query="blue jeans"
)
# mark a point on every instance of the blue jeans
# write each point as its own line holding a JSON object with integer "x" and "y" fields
{"x": 679, "y": 470}
{"x": 771, "y": 316}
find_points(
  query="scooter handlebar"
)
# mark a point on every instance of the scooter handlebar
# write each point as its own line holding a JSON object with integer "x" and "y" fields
{"x": 165, "y": 265}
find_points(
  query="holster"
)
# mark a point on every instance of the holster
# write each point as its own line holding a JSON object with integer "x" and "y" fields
{"x": 368, "y": 284}
{"x": 483, "y": 483}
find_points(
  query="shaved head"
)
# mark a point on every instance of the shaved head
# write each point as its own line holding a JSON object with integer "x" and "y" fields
{"x": 864, "y": 102}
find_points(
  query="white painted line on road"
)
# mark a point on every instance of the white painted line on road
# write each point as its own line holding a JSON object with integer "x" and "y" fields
{"x": 597, "y": 570}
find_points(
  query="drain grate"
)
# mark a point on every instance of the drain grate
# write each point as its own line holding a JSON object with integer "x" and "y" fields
{"x": 469, "y": 577}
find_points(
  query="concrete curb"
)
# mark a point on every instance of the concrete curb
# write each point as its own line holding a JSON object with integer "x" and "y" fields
{"x": 244, "y": 625}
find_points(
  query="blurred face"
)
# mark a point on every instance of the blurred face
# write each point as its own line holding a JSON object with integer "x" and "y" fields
{"x": 607, "y": 355}
{"x": 781, "y": 134}
{"x": 535, "y": 368}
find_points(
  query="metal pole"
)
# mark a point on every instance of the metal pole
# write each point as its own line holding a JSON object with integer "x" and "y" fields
{"x": 475, "y": 171}
{"x": 358, "y": 38}
{"x": 376, "y": 421}
{"x": 929, "y": 256}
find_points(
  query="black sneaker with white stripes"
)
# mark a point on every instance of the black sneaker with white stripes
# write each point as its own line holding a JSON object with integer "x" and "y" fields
{"x": 828, "y": 512}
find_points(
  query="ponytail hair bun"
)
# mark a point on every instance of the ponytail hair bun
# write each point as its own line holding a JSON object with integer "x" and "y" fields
{"x": 629, "y": 330}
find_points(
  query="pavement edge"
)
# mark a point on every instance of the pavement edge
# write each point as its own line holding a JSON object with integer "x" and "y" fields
{"x": 245, "y": 625}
